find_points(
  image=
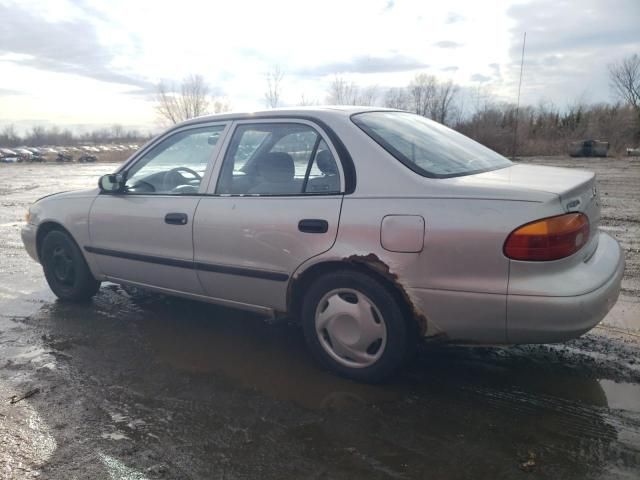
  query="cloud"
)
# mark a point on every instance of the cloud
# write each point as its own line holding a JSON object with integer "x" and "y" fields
{"x": 569, "y": 46}
{"x": 478, "y": 77}
{"x": 390, "y": 4}
{"x": 453, "y": 17}
{"x": 495, "y": 67}
{"x": 451, "y": 68}
{"x": 5, "y": 92}
{"x": 70, "y": 46}
{"x": 447, "y": 44}
{"x": 554, "y": 27}
{"x": 366, "y": 64}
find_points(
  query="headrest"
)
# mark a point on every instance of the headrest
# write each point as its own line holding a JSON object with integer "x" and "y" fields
{"x": 276, "y": 167}
{"x": 326, "y": 163}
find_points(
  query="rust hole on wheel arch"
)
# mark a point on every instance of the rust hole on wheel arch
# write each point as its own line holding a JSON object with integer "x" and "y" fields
{"x": 372, "y": 261}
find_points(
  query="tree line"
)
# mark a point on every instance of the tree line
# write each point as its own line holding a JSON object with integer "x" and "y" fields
{"x": 544, "y": 129}
{"x": 39, "y": 136}
{"x": 547, "y": 129}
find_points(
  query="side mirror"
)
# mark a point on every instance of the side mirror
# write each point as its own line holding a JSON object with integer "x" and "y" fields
{"x": 111, "y": 183}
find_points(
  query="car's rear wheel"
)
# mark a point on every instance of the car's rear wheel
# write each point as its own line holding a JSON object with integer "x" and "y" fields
{"x": 355, "y": 326}
{"x": 65, "y": 268}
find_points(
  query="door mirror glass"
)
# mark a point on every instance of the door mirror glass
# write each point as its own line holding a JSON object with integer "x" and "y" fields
{"x": 111, "y": 183}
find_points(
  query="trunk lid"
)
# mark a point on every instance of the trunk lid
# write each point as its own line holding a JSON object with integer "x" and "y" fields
{"x": 576, "y": 188}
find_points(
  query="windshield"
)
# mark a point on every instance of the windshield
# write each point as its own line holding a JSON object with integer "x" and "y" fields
{"x": 427, "y": 147}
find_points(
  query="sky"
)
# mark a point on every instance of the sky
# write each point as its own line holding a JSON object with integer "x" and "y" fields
{"x": 78, "y": 63}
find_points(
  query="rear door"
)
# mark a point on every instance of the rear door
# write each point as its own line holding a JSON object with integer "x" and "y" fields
{"x": 144, "y": 235}
{"x": 274, "y": 202}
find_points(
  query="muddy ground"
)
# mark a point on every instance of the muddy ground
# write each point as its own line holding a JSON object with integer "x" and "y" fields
{"x": 143, "y": 387}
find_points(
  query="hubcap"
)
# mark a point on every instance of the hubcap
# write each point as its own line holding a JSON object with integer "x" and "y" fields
{"x": 62, "y": 264}
{"x": 350, "y": 328}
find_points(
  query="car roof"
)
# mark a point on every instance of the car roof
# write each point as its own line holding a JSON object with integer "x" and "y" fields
{"x": 314, "y": 112}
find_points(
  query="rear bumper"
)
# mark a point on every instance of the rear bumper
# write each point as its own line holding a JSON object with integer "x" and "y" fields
{"x": 552, "y": 318}
{"x": 551, "y": 315}
{"x": 28, "y": 234}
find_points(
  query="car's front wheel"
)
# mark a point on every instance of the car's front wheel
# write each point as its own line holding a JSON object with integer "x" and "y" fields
{"x": 354, "y": 326}
{"x": 65, "y": 268}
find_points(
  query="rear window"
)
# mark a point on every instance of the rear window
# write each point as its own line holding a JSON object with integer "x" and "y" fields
{"x": 427, "y": 147}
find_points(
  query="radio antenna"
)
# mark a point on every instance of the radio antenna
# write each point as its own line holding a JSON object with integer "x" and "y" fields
{"x": 515, "y": 130}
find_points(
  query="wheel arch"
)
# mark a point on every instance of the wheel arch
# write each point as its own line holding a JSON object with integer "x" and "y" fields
{"x": 48, "y": 226}
{"x": 369, "y": 265}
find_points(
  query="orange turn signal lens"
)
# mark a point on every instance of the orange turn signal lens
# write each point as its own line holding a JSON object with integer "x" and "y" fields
{"x": 548, "y": 239}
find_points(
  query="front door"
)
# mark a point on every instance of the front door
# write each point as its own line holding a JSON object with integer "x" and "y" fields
{"x": 144, "y": 234}
{"x": 275, "y": 204}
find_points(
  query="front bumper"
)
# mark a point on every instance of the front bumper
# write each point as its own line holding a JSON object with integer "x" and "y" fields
{"x": 548, "y": 319}
{"x": 28, "y": 234}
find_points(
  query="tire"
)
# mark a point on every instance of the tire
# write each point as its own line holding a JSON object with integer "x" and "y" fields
{"x": 65, "y": 268}
{"x": 342, "y": 313}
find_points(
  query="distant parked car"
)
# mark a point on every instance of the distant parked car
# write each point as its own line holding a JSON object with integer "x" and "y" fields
{"x": 589, "y": 148}
{"x": 64, "y": 157}
{"x": 370, "y": 227}
{"x": 37, "y": 155}
{"x": 86, "y": 158}
{"x": 5, "y": 152}
{"x": 633, "y": 152}
{"x": 9, "y": 156}
{"x": 23, "y": 153}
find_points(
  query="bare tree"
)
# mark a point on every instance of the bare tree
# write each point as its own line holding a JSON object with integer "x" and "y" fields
{"x": 343, "y": 92}
{"x": 443, "y": 106}
{"x": 273, "y": 93}
{"x": 220, "y": 105}
{"x": 9, "y": 136}
{"x": 117, "y": 131}
{"x": 396, "y": 97}
{"x": 368, "y": 96}
{"x": 481, "y": 98}
{"x": 422, "y": 93}
{"x": 190, "y": 100}
{"x": 625, "y": 80}
{"x": 306, "y": 102}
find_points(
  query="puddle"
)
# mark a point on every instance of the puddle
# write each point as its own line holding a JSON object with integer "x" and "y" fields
{"x": 621, "y": 396}
{"x": 114, "y": 436}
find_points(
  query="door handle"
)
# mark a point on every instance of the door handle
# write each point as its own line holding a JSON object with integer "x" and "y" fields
{"x": 313, "y": 225}
{"x": 176, "y": 218}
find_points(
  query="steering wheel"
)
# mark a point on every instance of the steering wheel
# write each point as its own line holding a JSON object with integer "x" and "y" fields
{"x": 171, "y": 175}
{"x": 195, "y": 174}
{"x": 147, "y": 185}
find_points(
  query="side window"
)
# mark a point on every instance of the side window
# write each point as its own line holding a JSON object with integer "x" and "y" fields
{"x": 323, "y": 175}
{"x": 176, "y": 165}
{"x": 277, "y": 159}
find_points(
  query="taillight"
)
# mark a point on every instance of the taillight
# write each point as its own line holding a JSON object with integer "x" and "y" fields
{"x": 548, "y": 239}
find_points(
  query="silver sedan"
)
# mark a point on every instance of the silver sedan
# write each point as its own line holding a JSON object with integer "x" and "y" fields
{"x": 372, "y": 228}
